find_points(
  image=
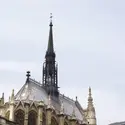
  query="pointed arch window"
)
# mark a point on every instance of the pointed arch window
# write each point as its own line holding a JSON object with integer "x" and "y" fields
{"x": 44, "y": 119}
{"x": 32, "y": 118}
{"x": 7, "y": 115}
{"x": 54, "y": 121}
{"x": 19, "y": 117}
{"x": 65, "y": 123}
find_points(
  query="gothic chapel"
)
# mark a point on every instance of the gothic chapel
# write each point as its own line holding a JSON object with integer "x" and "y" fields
{"x": 43, "y": 104}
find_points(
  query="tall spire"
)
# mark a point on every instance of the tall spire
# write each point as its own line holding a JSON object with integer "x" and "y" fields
{"x": 90, "y": 99}
{"x": 50, "y": 49}
{"x": 50, "y": 69}
{"x": 91, "y": 110}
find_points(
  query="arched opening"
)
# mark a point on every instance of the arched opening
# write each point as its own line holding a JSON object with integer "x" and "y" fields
{"x": 19, "y": 117}
{"x": 53, "y": 121}
{"x": 44, "y": 119}
{"x": 32, "y": 118}
{"x": 65, "y": 123}
{"x": 7, "y": 115}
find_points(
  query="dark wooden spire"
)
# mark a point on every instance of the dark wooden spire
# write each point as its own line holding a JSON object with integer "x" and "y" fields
{"x": 50, "y": 67}
{"x": 50, "y": 49}
{"x": 50, "y": 41}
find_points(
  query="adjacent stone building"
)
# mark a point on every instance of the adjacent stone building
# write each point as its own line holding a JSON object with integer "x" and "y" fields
{"x": 42, "y": 103}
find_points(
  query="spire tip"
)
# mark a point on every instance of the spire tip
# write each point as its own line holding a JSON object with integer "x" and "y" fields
{"x": 51, "y": 19}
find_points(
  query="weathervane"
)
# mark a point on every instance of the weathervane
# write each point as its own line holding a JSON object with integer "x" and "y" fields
{"x": 51, "y": 17}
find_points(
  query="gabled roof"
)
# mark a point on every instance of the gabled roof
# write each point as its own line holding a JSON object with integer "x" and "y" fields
{"x": 34, "y": 91}
{"x": 118, "y": 123}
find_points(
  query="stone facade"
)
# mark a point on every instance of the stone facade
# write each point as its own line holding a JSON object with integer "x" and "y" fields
{"x": 38, "y": 113}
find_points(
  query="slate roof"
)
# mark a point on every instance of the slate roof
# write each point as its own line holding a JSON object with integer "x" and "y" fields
{"x": 118, "y": 123}
{"x": 34, "y": 91}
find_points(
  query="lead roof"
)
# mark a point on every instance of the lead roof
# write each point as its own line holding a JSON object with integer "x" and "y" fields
{"x": 34, "y": 91}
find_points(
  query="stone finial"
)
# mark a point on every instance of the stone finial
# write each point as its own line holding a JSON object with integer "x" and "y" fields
{"x": 90, "y": 99}
{"x": 2, "y": 99}
{"x": 28, "y": 76}
{"x": 2, "y": 95}
{"x": 76, "y": 98}
{"x": 12, "y": 97}
{"x": 90, "y": 92}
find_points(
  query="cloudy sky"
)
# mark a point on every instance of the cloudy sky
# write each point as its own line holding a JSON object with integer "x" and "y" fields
{"x": 89, "y": 40}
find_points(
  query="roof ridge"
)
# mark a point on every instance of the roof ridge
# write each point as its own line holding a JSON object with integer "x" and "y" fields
{"x": 20, "y": 90}
{"x": 66, "y": 97}
{"x": 79, "y": 106}
{"x": 36, "y": 82}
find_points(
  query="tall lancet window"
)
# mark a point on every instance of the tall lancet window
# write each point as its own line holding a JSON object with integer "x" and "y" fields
{"x": 65, "y": 123}
{"x": 32, "y": 118}
{"x": 19, "y": 117}
{"x": 54, "y": 121}
{"x": 44, "y": 119}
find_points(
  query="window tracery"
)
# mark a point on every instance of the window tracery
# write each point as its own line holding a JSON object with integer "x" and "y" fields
{"x": 32, "y": 118}
{"x": 19, "y": 117}
{"x": 53, "y": 121}
{"x": 65, "y": 123}
{"x": 44, "y": 119}
{"x": 7, "y": 115}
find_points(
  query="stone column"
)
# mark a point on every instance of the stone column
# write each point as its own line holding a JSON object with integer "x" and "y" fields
{"x": 73, "y": 121}
{"x": 11, "y": 117}
{"x": 73, "y": 118}
{"x": 26, "y": 113}
{"x": 48, "y": 116}
{"x": 40, "y": 113}
{"x": 61, "y": 119}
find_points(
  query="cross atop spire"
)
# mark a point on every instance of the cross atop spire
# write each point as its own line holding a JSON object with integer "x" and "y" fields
{"x": 50, "y": 79}
{"x": 51, "y": 16}
{"x": 50, "y": 49}
{"x": 28, "y": 74}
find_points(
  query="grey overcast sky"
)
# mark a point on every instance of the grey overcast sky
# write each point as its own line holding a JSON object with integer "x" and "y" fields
{"x": 89, "y": 41}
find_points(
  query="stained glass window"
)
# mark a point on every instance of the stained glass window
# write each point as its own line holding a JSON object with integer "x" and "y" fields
{"x": 53, "y": 121}
{"x": 19, "y": 117}
{"x": 32, "y": 118}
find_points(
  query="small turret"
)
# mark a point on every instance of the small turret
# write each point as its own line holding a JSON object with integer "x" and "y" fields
{"x": 91, "y": 110}
{"x": 11, "y": 106}
{"x": 2, "y": 99}
{"x": 12, "y": 97}
{"x": 90, "y": 99}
